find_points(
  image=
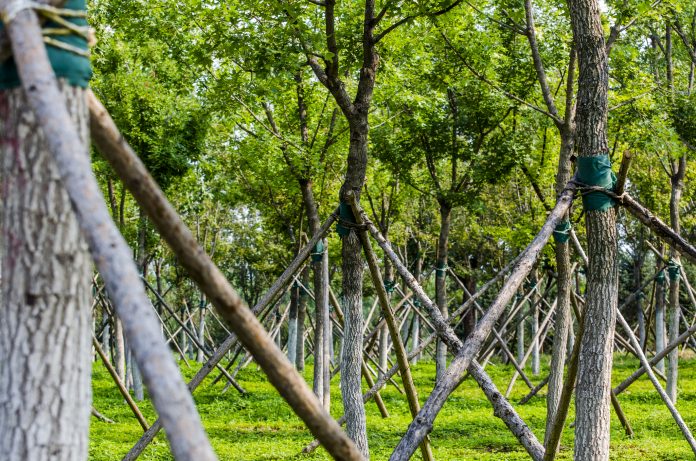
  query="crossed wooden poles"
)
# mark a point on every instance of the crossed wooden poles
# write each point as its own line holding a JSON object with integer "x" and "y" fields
{"x": 170, "y": 396}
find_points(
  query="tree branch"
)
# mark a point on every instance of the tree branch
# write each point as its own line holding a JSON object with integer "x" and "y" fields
{"x": 538, "y": 64}
{"x": 404, "y": 20}
{"x": 494, "y": 86}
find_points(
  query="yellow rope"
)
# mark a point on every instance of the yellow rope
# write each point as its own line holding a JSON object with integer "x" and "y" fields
{"x": 57, "y": 15}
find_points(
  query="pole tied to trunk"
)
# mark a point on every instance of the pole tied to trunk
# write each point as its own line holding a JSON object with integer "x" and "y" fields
{"x": 346, "y": 220}
{"x": 660, "y": 277}
{"x": 318, "y": 252}
{"x": 674, "y": 270}
{"x": 595, "y": 171}
{"x": 561, "y": 233}
{"x": 66, "y": 35}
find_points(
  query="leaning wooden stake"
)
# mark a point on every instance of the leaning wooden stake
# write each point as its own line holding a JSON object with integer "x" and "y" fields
{"x": 108, "y": 248}
{"x": 556, "y": 428}
{"x": 423, "y": 424}
{"x": 502, "y": 407}
{"x": 649, "y": 219}
{"x": 121, "y": 388}
{"x": 401, "y": 356}
{"x": 658, "y": 387}
{"x": 208, "y": 277}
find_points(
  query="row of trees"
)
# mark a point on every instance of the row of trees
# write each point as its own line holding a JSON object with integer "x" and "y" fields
{"x": 470, "y": 117}
{"x": 461, "y": 124}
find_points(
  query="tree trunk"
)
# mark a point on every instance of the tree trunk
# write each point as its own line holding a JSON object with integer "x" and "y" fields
{"x": 596, "y": 347}
{"x": 106, "y": 332}
{"x": 534, "y": 302}
{"x": 320, "y": 269}
{"x": 352, "y": 268}
{"x": 326, "y": 325}
{"x": 45, "y": 318}
{"x": 563, "y": 318}
{"x": 384, "y": 331}
{"x": 200, "y": 356}
{"x": 142, "y": 265}
{"x": 441, "y": 282}
{"x": 660, "y": 319}
{"x": 415, "y": 331}
{"x": 674, "y": 312}
{"x": 301, "y": 314}
{"x": 292, "y": 324}
{"x": 119, "y": 350}
{"x": 520, "y": 335}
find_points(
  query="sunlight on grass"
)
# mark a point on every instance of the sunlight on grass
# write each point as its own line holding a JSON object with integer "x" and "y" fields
{"x": 261, "y": 426}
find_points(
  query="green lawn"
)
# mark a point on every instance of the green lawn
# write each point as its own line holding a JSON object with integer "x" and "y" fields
{"x": 261, "y": 426}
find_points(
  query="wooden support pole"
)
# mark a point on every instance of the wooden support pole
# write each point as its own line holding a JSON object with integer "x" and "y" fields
{"x": 423, "y": 424}
{"x": 211, "y": 281}
{"x": 554, "y": 438}
{"x": 534, "y": 391}
{"x": 111, "y": 254}
{"x": 621, "y": 415}
{"x": 663, "y": 395}
{"x": 623, "y": 172}
{"x": 400, "y": 350}
{"x": 122, "y": 389}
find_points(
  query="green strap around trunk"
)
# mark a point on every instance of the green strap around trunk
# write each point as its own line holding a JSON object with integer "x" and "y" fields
{"x": 596, "y": 171}
{"x": 66, "y": 64}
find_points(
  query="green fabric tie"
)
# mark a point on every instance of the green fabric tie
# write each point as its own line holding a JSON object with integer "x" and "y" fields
{"x": 318, "y": 252}
{"x": 389, "y": 286}
{"x": 673, "y": 268}
{"x": 345, "y": 216}
{"x": 596, "y": 171}
{"x": 561, "y": 234}
{"x": 660, "y": 278}
{"x": 62, "y": 47}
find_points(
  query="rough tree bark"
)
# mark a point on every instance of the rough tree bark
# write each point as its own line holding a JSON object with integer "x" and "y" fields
{"x": 45, "y": 319}
{"x": 595, "y": 359}
{"x": 566, "y": 130}
{"x": 441, "y": 281}
{"x": 660, "y": 319}
{"x": 562, "y": 325}
{"x": 674, "y": 311}
{"x": 356, "y": 113}
{"x": 301, "y": 315}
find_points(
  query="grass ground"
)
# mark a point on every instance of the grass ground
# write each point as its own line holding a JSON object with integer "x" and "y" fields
{"x": 261, "y": 426}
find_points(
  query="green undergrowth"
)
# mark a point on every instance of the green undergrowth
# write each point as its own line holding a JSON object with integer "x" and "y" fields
{"x": 261, "y": 426}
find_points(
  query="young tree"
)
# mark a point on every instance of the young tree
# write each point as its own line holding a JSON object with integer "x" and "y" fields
{"x": 597, "y": 344}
